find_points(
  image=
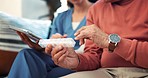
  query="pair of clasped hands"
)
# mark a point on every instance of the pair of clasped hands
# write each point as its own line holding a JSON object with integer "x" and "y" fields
{"x": 66, "y": 57}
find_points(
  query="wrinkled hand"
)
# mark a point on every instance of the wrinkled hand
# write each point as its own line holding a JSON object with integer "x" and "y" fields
{"x": 63, "y": 56}
{"x": 94, "y": 33}
{"x": 57, "y": 35}
{"x": 31, "y": 44}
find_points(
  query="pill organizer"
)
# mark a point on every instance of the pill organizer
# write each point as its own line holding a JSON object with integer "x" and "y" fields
{"x": 66, "y": 42}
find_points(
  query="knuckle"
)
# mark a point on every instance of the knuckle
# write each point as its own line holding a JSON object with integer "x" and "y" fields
{"x": 46, "y": 50}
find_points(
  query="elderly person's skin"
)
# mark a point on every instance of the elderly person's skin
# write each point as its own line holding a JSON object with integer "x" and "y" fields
{"x": 66, "y": 57}
{"x": 62, "y": 56}
{"x": 94, "y": 34}
{"x": 78, "y": 15}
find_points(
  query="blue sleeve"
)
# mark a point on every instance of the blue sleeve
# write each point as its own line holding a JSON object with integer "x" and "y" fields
{"x": 59, "y": 22}
{"x": 54, "y": 26}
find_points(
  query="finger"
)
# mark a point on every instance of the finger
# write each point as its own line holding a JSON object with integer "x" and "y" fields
{"x": 26, "y": 38}
{"x": 61, "y": 59}
{"x": 57, "y": 35}
{"x": 65, "y": 36}
{"x": 23, "y": 36}
{"x": 82, "y": 41}
{"x": 58, "y": 55}
{"x": 31, "y": 44}
{"x": 19, "y": 33}
{"x": 79, "y": 31}
{"x": 81, "y": 35}
{"x": 48, "y": 49}
{"x": 37, "y": 41}
{"x": 56, "y": 50}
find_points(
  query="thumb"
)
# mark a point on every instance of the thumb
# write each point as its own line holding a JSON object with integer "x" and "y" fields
{"x": 48, "y": 49}
{"x": 65, "y": 36}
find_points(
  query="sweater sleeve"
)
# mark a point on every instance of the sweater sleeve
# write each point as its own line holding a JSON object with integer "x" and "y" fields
{"x": 134, "y": 51}
{"x": 90, "y": 59}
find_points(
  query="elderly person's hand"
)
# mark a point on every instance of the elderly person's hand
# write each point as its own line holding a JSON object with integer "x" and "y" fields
{"x": 94, "y": 33}
{"x": 63, "y": 56}
{"x": 55, "y": 36}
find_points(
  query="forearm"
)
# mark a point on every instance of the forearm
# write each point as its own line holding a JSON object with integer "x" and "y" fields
{"x": 134, "y": 51}
{"x": 88, "y": 61}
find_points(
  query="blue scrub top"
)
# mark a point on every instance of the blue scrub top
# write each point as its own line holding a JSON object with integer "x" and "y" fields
{"x": 63, "y": 24}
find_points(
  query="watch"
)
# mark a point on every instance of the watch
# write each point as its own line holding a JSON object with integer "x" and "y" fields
{"x": 114, "y": 39}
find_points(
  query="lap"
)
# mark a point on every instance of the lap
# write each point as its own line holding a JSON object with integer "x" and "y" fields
{"x": 58, "y": 72}
{"x": 126, "y": 72}
{"x": 34, "y": 55}
{"x": 53, "y": 71}
{"x": 89, "y": 74}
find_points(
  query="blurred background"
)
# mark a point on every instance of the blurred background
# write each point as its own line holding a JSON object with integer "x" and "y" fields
{"x": 32, "y": 9}
{"x": 36, "y": 11}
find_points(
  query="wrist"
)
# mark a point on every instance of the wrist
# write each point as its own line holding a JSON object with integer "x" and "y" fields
{"x": 114, "y": 39}
{"x": 77, "y": 63}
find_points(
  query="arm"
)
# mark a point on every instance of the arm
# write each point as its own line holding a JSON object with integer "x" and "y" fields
{"x": 90, "y": 59}
{"x": 31, "y": 44}
{"x": 57, "y": 25}
{"x": 134, "y": 51}
{"x": 54, "y": 29}
{"x": 66, "y": 56}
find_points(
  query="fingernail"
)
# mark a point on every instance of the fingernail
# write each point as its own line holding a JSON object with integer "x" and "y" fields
{"x": 80, "y": 43}
{"x": 48, "y": 46}
{"x": 75, "y": 34}
{"x": 60, "y": 47}
{"x": 65, "y": 34}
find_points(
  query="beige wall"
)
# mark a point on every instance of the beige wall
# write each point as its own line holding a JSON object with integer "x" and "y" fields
{"x": 28, "y": 8}
{"x": 12, "y": 7}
